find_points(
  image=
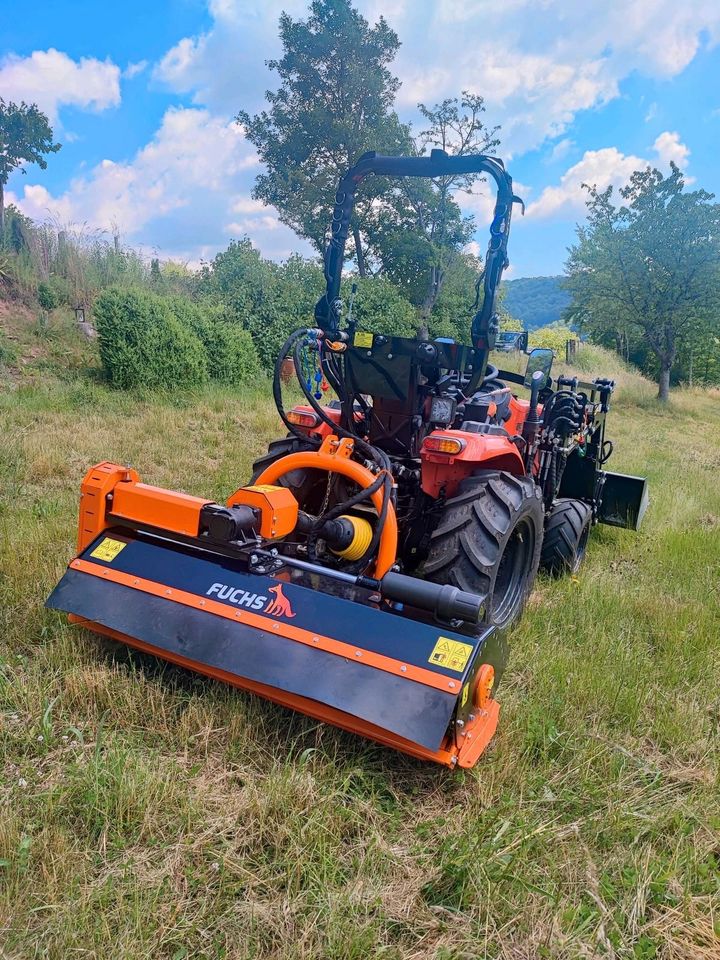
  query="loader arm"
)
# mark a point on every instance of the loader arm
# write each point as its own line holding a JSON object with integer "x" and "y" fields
{"x": 438, "y": 164}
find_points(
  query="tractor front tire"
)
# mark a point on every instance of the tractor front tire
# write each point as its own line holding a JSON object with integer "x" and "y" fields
{"x": 488, "y": 542}
{"x": 566, "y": 534}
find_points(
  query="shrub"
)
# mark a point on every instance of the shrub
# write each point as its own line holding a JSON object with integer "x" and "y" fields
{"x": 233, "y": 357}
{"x": 53, "y": 293}
{"x": 142, "y": 344}
{"x": 231, "y": 354}
{"x": 8, "y": 354}
{"x": 553, "y": 337}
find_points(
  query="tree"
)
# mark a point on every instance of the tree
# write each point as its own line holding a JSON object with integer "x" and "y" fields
{"x": 25, "y": 137}
{"x": 334, "y": 103}
{"x": 418, "y": 231}
{"x": 650, "y": 266}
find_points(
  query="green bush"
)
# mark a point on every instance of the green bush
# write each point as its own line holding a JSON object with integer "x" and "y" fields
{"x": 233, "y": 357}
{"x": 268, "y": 299}
{"x": 8, "y": 353}
{"x": 151, "y": 341}
{"x": 53, "y": 293}
{"x": 142, "y": 343}
{"x": 231, "y": 354}
{"x": 553, "y": 337}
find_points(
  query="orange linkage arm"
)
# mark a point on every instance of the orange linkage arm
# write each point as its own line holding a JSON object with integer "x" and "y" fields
{"x": 110, "y": 488}
{"x": 334, "y": 457}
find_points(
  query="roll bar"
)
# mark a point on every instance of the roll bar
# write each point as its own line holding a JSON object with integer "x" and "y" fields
{"x": 438, "y": 164}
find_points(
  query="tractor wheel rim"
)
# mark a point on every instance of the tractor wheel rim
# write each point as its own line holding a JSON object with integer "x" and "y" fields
{"x": 512, "y": 575}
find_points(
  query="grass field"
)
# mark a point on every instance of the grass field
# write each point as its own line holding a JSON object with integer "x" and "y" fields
{"x": 146, "y": 813}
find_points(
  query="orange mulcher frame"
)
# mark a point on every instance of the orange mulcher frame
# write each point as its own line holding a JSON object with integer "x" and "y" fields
{"x": 112, "y": 495}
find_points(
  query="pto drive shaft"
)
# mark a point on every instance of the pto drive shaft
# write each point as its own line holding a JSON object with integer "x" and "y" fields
{"x": 445, "y": 601}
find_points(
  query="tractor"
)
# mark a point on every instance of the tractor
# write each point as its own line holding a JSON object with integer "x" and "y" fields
{"x": 369, "y": 571}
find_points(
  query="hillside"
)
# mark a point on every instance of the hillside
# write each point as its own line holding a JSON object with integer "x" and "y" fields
{"x": 535, "y": 301}
{"x": 148, "y": 813}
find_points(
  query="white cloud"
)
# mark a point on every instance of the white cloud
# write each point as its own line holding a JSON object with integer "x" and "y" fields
{"x": 602, "y": 168}
{"x": 176, "y": 193}
{"x": 668, "y": 147}
{"x": 561, "y": 149}
{"x": 545, "y": 62}
{"x": 224, "y": 68}
{"x": 597, "y": 167}
{"x": 548, "y": 61}
{"x": 53, "y": 80}
{"x": 134, "y": 69}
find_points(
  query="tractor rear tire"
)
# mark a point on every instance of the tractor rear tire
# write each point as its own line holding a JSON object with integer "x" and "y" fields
{"x": 566, "y": 534}
{"x": 488, "y": 542}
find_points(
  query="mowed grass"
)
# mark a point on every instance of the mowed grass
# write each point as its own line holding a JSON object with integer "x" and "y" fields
{"x": 147, "y": 813}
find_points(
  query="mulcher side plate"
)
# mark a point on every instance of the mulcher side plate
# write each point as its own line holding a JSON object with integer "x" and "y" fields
{"x": 402, "y": 675}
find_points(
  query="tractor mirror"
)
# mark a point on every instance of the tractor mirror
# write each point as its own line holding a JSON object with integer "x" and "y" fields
{"x": 538, "y": 359}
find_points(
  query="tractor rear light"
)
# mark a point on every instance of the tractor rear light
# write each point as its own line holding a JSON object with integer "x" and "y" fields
{"x": 449, "y": 445}
{"x": 303, "y": 418}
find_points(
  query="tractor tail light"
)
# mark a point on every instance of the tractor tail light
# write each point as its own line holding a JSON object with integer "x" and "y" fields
{"x": 303, "y": 418}
{"x": 449, "y": 445}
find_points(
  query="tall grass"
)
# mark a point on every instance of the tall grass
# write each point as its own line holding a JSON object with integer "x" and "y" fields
{"x": 148, "y": 813}
{"x": 79, "y": 260}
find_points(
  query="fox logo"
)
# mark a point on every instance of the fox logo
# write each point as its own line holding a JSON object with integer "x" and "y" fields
{"x": 280, "y": 606}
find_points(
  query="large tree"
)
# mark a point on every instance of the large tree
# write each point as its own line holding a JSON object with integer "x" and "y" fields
{"x": 25, "y": 137}
{"x": 649, "y": 266}
{"x": 418, "y": 231}
{"x": 334, "y": 102}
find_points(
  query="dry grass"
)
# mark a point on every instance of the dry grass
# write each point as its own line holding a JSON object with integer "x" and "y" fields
{"x": 146, "y": 813}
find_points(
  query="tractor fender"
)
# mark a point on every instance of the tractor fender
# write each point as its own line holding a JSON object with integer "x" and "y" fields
{"x": 446, "y": 471}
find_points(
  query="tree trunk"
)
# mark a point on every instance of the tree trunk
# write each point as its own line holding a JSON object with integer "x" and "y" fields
{"x": 664, "y": 381}
{"x": 362, "y": 270}
{"x": 437, "y": 275}
{"x": 2, "y": 212}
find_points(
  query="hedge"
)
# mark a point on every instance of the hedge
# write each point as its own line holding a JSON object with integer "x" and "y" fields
{"x": 151, "y": 341}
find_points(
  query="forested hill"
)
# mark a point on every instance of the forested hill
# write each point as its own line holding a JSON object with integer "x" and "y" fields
{"x": 535, "y": 301}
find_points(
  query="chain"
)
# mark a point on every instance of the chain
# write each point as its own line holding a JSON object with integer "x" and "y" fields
{"x": 326, "y": 501}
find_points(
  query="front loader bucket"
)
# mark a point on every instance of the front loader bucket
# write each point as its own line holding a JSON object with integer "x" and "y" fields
{"x": 624, "y": 500}
{"x": 401, "y": 681}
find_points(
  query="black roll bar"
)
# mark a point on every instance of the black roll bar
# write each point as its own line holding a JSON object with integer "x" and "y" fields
{"x": 438, "y": 164}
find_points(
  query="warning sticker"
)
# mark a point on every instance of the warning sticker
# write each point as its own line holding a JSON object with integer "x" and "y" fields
{"x": 465, "y": 693}
{"x": 451, "y": 654}
{"x": 363, "y": 339}
{"x": 108, "y": 549}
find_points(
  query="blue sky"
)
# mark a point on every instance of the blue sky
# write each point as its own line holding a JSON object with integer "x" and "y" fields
{"x": 142, "y": 97}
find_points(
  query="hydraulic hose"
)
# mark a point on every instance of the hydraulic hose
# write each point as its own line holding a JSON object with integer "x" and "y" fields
{"x": 277, "y": 387}
{"x": 294, "y": 344}
{"x": 372, "y": 453}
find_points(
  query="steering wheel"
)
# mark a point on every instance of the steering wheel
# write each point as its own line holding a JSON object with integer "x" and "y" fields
{"x": 490, "y": 381}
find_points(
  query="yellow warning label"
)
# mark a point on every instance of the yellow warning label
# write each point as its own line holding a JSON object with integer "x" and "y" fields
{"x": 108, "y": 549}
{"x": 465, "y": 693}
{"x": 451, "y": 654}
{"x": 263, "y": 488}
{"x": 363, "y": 339}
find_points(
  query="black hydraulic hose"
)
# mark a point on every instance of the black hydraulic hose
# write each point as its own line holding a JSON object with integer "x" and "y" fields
{"x": 277, "y": 388}
{"x": 329, "y": 365}
{"x": 372, "y": 453}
